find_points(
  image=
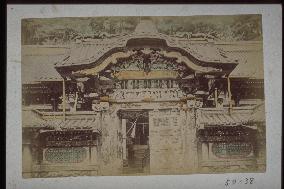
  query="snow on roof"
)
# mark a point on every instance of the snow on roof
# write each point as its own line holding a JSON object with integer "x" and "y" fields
{"x": 248, "y": 55}
{"x": 39, "y": 68}
{"x": 90, "y": 52}
{"x": 86, "y": 53}
{"x": 31, "y": 119}
{"x": 38, "y": 63}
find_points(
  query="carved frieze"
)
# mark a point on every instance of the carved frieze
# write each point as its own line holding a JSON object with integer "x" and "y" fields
{"x": 132, "y": 95}
{"x": 101, "y": 106}
{"x": 65, "y": 155}
{"x": 147, "y": 60}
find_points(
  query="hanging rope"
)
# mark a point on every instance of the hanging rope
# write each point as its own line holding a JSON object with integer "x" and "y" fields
{"x": 133, "y": 124}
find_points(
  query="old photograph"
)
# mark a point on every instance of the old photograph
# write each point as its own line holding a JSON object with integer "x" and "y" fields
{"x": 142, "y": 95}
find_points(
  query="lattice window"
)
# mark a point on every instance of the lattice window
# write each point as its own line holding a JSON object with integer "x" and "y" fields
{"x": 232, "y": 150}
{"x": 65, "y": 155}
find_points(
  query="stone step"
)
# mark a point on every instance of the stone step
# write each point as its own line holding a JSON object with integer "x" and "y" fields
{"x": 137, "y": 163}
{"x": 139, "y": 155}
{"x": 140, "y": 147}
{"x": 137, "y": 158}
{"x": 129, "y": 170}
{"x": 139, "y": 152}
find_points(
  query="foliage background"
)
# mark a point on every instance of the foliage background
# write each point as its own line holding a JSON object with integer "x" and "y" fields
{"x": 37, "y": 31}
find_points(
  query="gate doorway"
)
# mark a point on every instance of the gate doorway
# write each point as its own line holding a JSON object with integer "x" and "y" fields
{"x": 137, "y": 152}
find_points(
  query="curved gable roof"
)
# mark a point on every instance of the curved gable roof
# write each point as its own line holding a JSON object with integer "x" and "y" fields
{"x": 145, "y": 34}
{"x": 86, "y": 53}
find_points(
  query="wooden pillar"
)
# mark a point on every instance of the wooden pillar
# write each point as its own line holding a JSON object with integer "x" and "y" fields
{"x": 76, "y": 101}
{"x": 216, "y": 97}
{"x": 229, "y": 94}
{"x": 64, "y": 100}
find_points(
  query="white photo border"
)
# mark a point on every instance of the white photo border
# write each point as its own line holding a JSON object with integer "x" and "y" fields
{"x": 272, "y": 40}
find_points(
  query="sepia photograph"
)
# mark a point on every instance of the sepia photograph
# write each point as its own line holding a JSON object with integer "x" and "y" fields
{"x": 141, "y": 95}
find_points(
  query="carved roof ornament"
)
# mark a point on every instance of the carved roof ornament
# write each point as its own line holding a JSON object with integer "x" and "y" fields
{"x": 146, "y": 60}
{"x": 147, "y": 47}
{"x": 147, "y": 50}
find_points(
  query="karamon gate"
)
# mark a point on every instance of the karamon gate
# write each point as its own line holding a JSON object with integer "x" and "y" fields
{"x": 146, "y": 103}
{"x": 151, "y": 94}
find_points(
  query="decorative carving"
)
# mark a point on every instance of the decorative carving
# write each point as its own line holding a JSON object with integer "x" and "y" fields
{"x": 147, "y": 60}
{"x": 69, "y": 138}
{"x": 232, "y": 150}
{"x": 65, "y": 155}
{"x": 195, "y": 103}
{"x": 102, "y": 106}
{"x": 226, "y": 134}
{"x": 128, "y": 95}
{"x": 133, "y": 114}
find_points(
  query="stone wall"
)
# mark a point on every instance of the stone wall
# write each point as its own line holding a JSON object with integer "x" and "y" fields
{"x": 111, "y": 143}
{"x": 32, "y": 167}
{"x": 223, "y": 156}
{"x": 173, "y": 147}
{"x": 190, "y": 125}
{"x": 36, "y": 162}
{"x": 261, "y": 147}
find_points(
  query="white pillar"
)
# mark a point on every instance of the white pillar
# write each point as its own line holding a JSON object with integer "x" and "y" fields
{"x": 64, "y": 100}
{"x": 93, "y": 154}
{"x": 216, "y": 97}
{"x": 205, "y": 150}
{"x": 210, "y": 154}
{"x": 123, "y": 124}
{"x": 230, "y": 94}
{"x": 27, "y": 158}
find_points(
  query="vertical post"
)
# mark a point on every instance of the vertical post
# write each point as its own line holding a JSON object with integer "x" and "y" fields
{"x": 63, "y": 100}
{"x": 210, "y": 152}
{"x": 76, "y": 101}
{"x": 123, "y": 123}
{"x": 215, "y": 97}
{"x": 229, "y": 94}
{"x": 204, "y": 151}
